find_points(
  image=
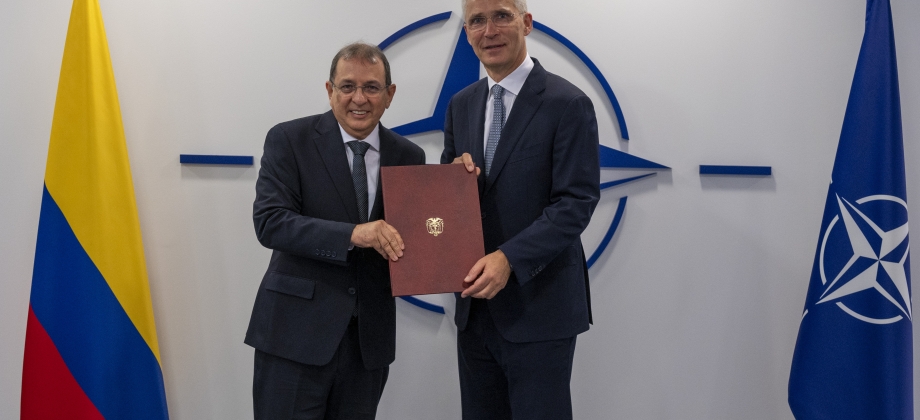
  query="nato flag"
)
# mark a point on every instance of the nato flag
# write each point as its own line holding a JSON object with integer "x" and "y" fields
{"x": 853, "y": 356}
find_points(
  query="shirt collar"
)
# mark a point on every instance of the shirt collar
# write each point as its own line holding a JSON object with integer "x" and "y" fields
{"x": 372, "y": 139}
{"x": 515, "y": 81}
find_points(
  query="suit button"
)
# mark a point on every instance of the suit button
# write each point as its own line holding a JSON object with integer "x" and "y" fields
{"x": 483, "y": 215}
{"x": 351, "y": 290}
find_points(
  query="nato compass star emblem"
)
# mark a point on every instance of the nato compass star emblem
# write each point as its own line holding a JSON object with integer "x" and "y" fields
{"x": 464, "y": 69}
{"x": 863, "y": 261}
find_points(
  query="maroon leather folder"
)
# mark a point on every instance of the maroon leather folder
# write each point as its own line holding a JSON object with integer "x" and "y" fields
{"x": 435, "y": 209}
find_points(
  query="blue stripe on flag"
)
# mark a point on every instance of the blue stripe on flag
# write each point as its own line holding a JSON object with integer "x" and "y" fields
{"x": 98, "y": 342}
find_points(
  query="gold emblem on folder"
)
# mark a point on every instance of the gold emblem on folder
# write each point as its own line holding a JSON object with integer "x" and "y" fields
{"x": 435, "y": 225}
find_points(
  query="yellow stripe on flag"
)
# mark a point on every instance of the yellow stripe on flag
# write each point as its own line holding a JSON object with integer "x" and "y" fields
{"x": 88, "y": 172}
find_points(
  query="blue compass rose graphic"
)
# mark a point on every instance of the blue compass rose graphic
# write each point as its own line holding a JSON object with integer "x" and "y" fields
{"x": 464, "y": 70}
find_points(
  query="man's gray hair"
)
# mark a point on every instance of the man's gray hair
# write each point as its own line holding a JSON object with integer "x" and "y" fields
{"x": 521, "y": 5}
{"x": 365, "y": 52}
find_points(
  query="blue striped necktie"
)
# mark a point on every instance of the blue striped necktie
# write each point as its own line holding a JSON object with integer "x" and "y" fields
{"x": 359, "y": 177}
{"x": 498, "y": 122}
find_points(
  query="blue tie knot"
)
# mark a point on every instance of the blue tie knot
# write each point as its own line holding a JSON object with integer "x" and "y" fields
{"x": 497, "y": 90}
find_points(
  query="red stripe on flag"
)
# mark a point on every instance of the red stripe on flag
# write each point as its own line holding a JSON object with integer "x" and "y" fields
{"x": 49, "y": 391}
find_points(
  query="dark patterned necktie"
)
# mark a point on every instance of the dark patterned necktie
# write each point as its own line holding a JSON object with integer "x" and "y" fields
{"x": 498, "y": 122}
{"x": 359, "y": 177}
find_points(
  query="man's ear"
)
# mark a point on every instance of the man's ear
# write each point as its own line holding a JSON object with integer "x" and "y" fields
{"x": 528, "y": 23}
{"x": 391, "y": 90}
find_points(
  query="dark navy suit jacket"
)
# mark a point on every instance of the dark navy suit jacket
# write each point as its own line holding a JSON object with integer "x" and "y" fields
{"x": 541, "y": 191}
{"x": 305, "y": 210}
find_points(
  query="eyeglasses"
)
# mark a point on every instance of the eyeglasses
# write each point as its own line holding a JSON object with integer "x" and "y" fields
{"x": 499, "y": 19}
{"x": 369, "y": 90}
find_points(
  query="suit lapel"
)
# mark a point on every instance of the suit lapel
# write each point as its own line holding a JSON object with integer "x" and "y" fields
{"x": 525, "y": 107}
{"x": 477, "y": 111}
{"x": 390, "y": 155}
{"x": 330, "y": 144}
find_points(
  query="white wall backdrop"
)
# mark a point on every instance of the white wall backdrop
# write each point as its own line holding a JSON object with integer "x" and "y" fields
{"x": 696, "y": 303}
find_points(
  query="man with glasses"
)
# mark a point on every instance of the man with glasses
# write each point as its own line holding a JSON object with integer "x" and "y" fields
{"x": 532, "y": 138}
{"x": 323, "y": 323}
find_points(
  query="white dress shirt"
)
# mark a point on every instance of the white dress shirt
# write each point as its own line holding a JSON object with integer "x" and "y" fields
{"x": 512, "y": 85}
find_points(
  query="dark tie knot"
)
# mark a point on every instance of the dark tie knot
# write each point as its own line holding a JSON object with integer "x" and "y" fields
{"x": 358, "y": 147}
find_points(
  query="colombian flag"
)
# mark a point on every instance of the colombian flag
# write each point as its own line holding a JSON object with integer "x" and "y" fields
{"x": 91, "y": 346}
